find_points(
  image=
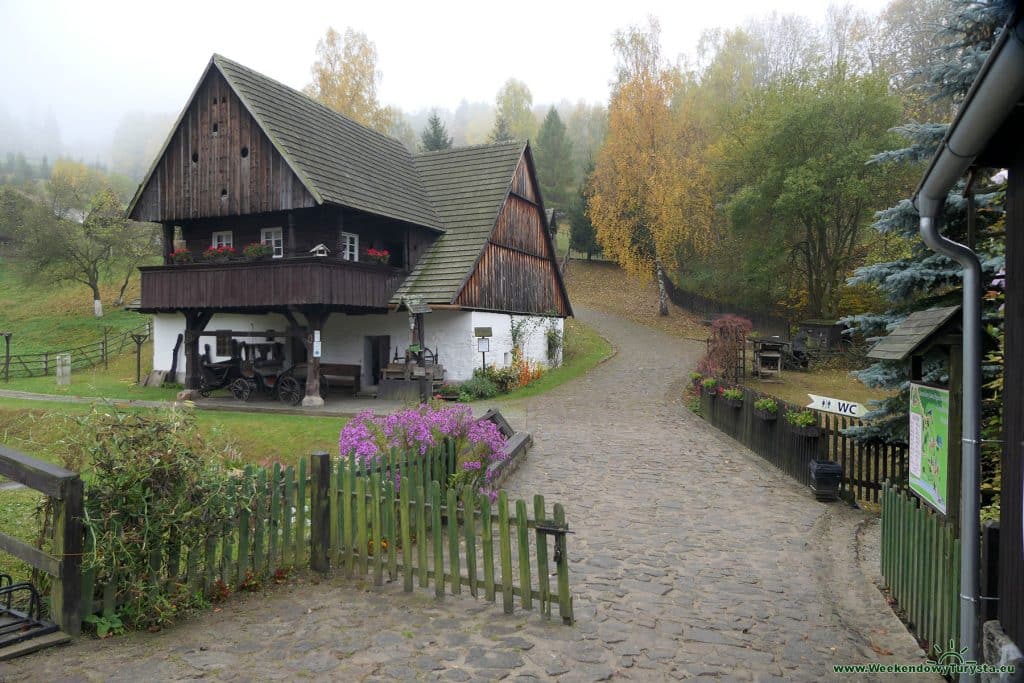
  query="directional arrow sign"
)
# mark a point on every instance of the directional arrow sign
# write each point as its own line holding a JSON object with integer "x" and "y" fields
{"x": 835, "y": 405}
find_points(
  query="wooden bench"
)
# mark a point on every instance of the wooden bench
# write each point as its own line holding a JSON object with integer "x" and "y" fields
{"x": 342, "y": 375}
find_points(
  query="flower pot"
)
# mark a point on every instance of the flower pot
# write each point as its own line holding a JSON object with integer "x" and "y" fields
{"x": 812, "y": 431}
{"x": 766, "y": 415}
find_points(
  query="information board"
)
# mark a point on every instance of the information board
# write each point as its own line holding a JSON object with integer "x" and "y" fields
{"x": 929, "y": 444}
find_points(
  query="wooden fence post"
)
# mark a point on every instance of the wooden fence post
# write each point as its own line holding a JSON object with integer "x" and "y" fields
{"x": 319, "y": 512}
{"x": 66, "y": 591}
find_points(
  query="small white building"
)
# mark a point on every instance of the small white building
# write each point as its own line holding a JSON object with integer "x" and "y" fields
{"x": 356, "y": 228}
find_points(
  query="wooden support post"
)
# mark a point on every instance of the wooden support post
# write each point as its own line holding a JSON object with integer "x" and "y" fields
{"x": 168, "y": 241}
{"x": 195, "y": 323}
{"x": 421, "y": 339}
{"x": 319, "y": 512}
{"x": 66, "y": 592}
{"x": 7, "y": 355}
{"x": 316, "y": 321}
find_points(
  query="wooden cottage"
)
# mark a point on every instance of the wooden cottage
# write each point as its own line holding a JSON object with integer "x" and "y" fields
{"x": 356, "y": 226}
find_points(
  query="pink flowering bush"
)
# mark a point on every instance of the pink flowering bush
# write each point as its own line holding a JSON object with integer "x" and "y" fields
{"x": 477, "y": 444}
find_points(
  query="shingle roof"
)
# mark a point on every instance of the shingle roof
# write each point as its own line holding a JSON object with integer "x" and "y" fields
{"x": 339, "y": 160}
{"x": 910, "y": 334}
{"x": 468, "y": 186}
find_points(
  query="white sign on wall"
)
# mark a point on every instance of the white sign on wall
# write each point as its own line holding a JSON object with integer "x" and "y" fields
{"x": 835, "y": 405}
{"x": 317, "y": 347}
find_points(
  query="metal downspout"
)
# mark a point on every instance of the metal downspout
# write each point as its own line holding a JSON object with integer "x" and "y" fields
{"x": 970, "y": 497}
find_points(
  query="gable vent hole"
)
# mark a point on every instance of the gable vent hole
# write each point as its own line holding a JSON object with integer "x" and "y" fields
{"x": 216, "y": 127}
{"x": 223, "y": 194}
{"x": 215, "y": 99}
{"x": 245, "y": 152}
{"x": 223, "y": 99}
{"x": 195, "y": 157}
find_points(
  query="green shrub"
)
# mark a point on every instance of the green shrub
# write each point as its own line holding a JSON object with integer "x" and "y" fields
{"x": 709, "y": 383}
{"x": 696, "y": 377}
{"x": 153, "y": 488}
{"x": 766, "y": 405}
{"x": 802, "y": 418}
{"x": 479, "y": 386}
{"x": 733, "y": 394}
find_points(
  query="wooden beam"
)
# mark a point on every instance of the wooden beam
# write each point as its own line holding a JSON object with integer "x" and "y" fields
{"x": 40, "y": 475}
{"x": 26, "y": 553}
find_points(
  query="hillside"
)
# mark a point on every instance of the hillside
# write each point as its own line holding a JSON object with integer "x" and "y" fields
{"x": 46, "y": 317}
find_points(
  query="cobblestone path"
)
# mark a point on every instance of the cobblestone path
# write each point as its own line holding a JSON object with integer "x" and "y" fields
{"x": 692, "y": 559}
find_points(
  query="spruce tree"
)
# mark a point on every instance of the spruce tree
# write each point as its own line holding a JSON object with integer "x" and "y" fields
{"x": 435, "y": 136}
{"x": 501, "y": 131}
{"x": 923, "y": 279}
{"x": 554, "y": 161}
{"x": 582, "y": 236}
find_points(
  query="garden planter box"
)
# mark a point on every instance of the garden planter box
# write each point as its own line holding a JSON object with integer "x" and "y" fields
{"x": 711, "y": 393}
{"x": 733, "y": 402}
{"x": 813, "y": 431}
{"x": 766, "y": 415}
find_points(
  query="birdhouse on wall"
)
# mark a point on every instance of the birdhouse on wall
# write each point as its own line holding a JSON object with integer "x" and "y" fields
{"x": 320, "y": 250}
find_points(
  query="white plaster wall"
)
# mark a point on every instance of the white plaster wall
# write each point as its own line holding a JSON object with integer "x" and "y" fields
{"x": 167, "y": 327}
{"x": 535, "y": 344}
{"x": 450, "y": 333}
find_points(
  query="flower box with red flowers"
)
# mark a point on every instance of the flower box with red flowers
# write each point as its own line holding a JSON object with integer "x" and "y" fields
{"x": 221, "y": 253}
{"x": 378, "y": 256}
{"x": 182, "y": 255}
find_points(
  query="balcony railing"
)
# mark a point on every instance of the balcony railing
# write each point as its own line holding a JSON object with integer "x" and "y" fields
{"x": 243, "y": 284}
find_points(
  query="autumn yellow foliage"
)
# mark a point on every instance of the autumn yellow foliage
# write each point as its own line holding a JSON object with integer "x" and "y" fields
{"x": 649, "y": 196}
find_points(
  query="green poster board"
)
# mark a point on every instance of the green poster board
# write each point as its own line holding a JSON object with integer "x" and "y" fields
{"x": 929, "y": 444}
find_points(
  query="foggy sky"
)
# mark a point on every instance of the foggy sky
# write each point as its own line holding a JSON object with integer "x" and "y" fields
{"x": 90, "y": 63}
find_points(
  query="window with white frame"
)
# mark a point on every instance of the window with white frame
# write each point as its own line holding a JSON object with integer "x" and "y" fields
{"x": 349, "y": 244}
{"x": 274, "y": 237}
{"x": 222, "y": 238}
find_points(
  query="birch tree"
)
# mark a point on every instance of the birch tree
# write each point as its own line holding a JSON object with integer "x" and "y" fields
{"x": 649, "y": 201}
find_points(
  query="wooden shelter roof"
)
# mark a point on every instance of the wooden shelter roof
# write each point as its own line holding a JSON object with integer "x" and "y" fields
{"x": 913, "y": 333}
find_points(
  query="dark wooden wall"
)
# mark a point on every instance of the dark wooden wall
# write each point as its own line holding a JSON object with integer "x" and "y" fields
{"x": 220, "y": 182}
{"x": 1011, "y": 550}
{"x": 518, "y": 271}
{"x": 318, "y": 225}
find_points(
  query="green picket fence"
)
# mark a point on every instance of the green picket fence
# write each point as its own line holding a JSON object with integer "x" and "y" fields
{"x": 433, "y": 535}
{"x": 921, "y": 565}
{"x": 336, "y": 514}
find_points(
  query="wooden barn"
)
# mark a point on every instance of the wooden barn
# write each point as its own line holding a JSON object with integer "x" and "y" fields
{"x": 357, "y": 228}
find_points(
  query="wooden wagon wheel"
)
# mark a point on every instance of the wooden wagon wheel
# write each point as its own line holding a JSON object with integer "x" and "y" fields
{"x": 289, "y": 390}
{"x": 241, "y": 389}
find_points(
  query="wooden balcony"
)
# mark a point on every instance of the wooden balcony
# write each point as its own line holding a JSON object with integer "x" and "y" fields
{"x": 274, "y": 283}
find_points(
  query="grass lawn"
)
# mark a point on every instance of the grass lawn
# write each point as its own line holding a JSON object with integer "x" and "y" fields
{"x": 44, "y": 316}
{"x": 36, "y": 429}
{"x": 794, "y": 386}
{"x": 584, "y": 348}
{"x": 115, "y": 381}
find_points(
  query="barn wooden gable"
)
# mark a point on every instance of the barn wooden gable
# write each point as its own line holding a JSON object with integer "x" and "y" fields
{"x": 218, "y": 162}
{"x": 517, "y": 271}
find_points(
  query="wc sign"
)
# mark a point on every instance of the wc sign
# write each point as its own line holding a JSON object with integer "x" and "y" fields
{"x": 835, "y": 405}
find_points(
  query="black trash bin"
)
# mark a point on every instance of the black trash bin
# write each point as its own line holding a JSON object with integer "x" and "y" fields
{"x": 826, "y": 476}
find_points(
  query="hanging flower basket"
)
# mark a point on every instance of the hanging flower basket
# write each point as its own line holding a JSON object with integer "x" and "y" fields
{"x": 766, "y": 415}
{"x": 803, "y": 423}
{"x": 183, "y": 255}
{"x": 381, "y": 256}
{"x": 219, "y": 254}
{"x": 732, "y": 397}
{"x": 258, "y": 251}
{"x": 766, "y": 409}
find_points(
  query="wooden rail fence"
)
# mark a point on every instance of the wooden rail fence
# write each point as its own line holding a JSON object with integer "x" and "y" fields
{"x": 85, "y": 356}
{"x": 921, "y": 566}
{"x": 765, "y": 323}
{"x": 866, "y": 466}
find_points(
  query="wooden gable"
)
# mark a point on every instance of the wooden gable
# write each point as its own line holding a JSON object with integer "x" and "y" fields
{"x": 518, "y": 269}
{"x": 218, "y": 162}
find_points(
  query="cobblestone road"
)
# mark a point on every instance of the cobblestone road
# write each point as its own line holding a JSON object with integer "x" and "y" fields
{"x": 692, "y": 559}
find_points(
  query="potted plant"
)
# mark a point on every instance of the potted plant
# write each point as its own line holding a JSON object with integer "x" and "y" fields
{"x": 709, "y": 386}
{"x": 696, "y": 378}
{"x": 803, "y": 422}
{"x": 221, "y": 253}
{"x": 381, "y": 256}
{"x": 733, "y": 397}
{"x": 766, "y": 408}
{"x": 181, "y": 255}
{"x": 257, "y": 251}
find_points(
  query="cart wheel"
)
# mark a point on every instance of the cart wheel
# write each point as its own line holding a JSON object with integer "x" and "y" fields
{"x": 241, "y": 389}
{"x": 289, "y": 390}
